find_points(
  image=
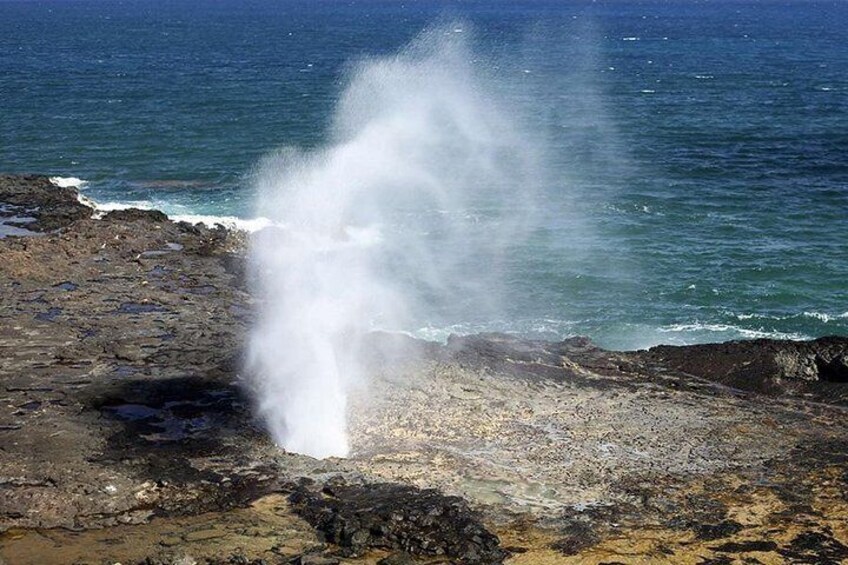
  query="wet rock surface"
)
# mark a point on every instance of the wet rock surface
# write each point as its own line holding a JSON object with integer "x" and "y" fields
{"x": 815, "y": 369}
{"x": 127, "y": 435}
{"x": 34, "y": 203}
{"x": 134, "y": 214}
{"x": 400, "y": 517}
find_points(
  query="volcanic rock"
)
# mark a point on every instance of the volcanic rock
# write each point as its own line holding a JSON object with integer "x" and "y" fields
{"x": 127, "y": 430}
{"x": 135, "y": 214}
{"x": 51, "y": 207}
{"x": 815, "y": 368}
{"x": 400, "y": 517}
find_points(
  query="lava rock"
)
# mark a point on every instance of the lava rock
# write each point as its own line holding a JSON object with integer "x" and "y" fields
{"x": 746, "y": 546}
{"x": 313, "y": 559}
{"x": 397, "y": 559}
{"x": 717, "y": 531}
{"x": 35, "y": 196}
{"x": 577, "y": 537}
{"x": 135, "y": 215}
{"x": 399, "y": 517}
{"x": 811, "y": 368}
{"x": 815, "y": 547}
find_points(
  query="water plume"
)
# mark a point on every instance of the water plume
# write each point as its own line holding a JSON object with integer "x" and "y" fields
{"x": 398, "y": 219}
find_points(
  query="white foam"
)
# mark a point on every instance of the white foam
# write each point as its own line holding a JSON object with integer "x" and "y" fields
{"x": 825, "y": 317}
{"x": 818, "y": 316}
{"x": 210, "y": 220}
{"x": 747, "y": 333}
{"x": 821, "y": 316}
{"x": 102, "y": 208}
{"x": 229, "y": 222}
{"x": 112, "y": 206}
{"x": 530, "y": 328}
{"x": 752, "y": 316}
{"x": 65, "y": 182}
{"x": 86, "y": 201}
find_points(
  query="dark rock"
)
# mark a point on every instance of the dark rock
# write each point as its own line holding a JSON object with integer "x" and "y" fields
{"x": 724, "y": 529}
{"x": 721, "y": 560}
{"x": 815, "y": 548}
{"x": 397, "y": 559}
{"x": 833, "y": 370}
{"x": 35, "y": 196}
{"x": 400, "y": 517}
{"x": 236, "y": 560}
{"x": 577, "y": 537}
{"x": 817, "y": 367}
{"x": 135, "y": 215}
{"x": 746, "y": 546}
{"x": 314, "y": 559}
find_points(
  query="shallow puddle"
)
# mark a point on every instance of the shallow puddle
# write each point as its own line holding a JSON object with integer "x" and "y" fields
{"x": 139, "y": 308}
{"x": 66, "y": 286}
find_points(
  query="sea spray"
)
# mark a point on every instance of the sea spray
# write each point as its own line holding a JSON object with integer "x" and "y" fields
{"x": 376, "y": 228}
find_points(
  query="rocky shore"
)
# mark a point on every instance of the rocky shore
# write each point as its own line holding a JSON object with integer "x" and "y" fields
{"x": 127, "y": 435}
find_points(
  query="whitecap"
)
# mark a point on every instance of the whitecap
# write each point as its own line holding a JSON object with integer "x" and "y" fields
{"x": 102, "y": 208}
{"x": 86, "y": 201}
{"x": 747, "y": 333}
{"x": 65, "y": 182}
{"x": 229, "y": 222}
{"x": 821, "y": 316}
{"x": 754, "y": 317}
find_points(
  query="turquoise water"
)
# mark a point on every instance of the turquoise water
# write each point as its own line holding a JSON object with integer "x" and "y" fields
{"x": 696, "y": 152}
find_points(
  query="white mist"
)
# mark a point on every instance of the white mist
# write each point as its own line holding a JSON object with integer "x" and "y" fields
{"x": 389, "y": 222}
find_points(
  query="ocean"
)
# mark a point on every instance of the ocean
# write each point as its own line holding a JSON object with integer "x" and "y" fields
{"x": 694, "y": 154}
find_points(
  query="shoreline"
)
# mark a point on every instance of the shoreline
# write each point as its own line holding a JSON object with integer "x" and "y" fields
{"x": 125, "y": 416}
{"x": 721, "y": 322}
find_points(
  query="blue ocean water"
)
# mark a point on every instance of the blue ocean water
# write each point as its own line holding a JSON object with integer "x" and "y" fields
{"x": 697, "y": 151}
